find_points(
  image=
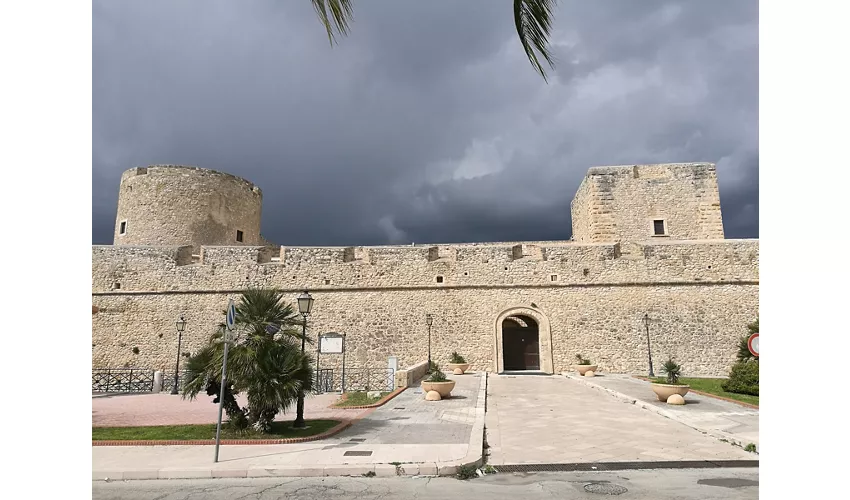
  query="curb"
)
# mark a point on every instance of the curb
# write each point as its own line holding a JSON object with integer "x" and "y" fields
{"x": 474, "y": 457}
{"x": 381, "y": 402}
{"x": 723, "y": 436}
{"x": 201, "y": 442}
{"x": 715, "y": 396}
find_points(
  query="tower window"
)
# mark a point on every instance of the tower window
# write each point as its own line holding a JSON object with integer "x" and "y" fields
{"x": 659, "y": 227}
{"x": 439, "y": 279}
{"x": 122, "y": 227}
{"x": 239, "y": 236}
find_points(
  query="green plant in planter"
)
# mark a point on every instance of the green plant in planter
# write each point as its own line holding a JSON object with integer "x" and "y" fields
{"x": 673, "y": 371}
{"x": 432, "y": 366}
{"x": 437, "y": 376}
{"x": 457, "y": 359}
{"x": 581, "y": 360}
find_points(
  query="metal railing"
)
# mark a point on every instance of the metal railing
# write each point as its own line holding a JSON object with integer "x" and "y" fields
{"x": 354, "y": 379}
{"x": 168, "y": 381}
{"x": 122, "y": 380}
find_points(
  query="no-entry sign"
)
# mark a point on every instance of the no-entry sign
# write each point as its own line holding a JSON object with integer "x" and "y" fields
{"x": 753, "y": 344}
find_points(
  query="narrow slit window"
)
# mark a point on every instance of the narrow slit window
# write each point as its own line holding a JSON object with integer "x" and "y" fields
{"x": 122, "y": 227}
{"x": 658, "y": 228}
{"x": 439, "y": 279}
{"x": 239, "y": 236}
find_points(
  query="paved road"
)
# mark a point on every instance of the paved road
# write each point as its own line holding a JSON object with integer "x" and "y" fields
{"x": 683, "y": 484}
{"x": 537, "y": 419}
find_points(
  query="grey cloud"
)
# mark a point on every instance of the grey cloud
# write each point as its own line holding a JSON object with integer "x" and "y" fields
{"x": 422, "y": 125}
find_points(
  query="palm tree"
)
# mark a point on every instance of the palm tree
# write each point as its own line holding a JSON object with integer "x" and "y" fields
{"x": 264, "y": 360}
{"x": 533, "y": 19}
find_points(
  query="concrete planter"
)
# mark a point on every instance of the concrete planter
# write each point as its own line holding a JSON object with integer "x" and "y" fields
{"x": 664, "y": 391}
{"x": 444, "y": 388}
{"x": 582, "y": 369}
{"x": 453, "y": 367}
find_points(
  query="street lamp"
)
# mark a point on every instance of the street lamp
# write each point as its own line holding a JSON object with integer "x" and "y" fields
{"x": 305, "y": 305}
{"x": 181, "y": 325}
{"x": 428, "y": 321}
{"x": 648, "y": 347}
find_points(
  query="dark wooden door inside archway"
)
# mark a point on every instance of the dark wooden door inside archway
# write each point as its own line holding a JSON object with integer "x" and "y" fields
{"x": 520, "y": 344}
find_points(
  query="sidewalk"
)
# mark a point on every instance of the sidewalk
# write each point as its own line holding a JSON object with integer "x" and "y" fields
{"x": 422, "y": 437}
{"x": 718, "y": 418}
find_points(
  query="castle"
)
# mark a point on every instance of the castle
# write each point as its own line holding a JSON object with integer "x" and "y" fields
{"x": 647, "y": 243}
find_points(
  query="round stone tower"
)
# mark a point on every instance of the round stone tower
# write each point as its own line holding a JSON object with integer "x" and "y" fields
{"x": 167, "y": 205}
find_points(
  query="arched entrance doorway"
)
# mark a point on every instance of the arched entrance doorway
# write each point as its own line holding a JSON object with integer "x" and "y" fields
{"x": 520, "y": 343}
{"x": 523, "y": 341}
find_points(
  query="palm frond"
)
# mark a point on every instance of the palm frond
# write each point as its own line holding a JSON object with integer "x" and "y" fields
{"x": 341, "y": 13}
{"x": 533, "y": 19}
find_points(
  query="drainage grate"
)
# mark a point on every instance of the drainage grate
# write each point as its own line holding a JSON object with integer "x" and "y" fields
{"x": 398, "y": 408}
{"x": 605, "y": 488}
{"x": 399, "y": 418}
{"x": 357, "y": 440}
{"x": 357, "y": 454}
{"x": 603, "y": 466}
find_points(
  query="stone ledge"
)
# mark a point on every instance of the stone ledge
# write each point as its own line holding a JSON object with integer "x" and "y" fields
{"x": 382, "y": 402}
{"x": 730, "y": 400}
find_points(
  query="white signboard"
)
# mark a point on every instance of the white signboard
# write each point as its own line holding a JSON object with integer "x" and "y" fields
{"x": 330, "y": 344}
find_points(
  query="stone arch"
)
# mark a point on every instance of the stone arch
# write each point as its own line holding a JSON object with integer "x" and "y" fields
{"x": 544, "y": 332}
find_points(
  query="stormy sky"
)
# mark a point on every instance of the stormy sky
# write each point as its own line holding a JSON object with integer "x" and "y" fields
{"x": 427, "y": 123}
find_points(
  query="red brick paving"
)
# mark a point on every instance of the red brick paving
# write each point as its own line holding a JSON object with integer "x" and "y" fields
{"x": 165, "y": 409}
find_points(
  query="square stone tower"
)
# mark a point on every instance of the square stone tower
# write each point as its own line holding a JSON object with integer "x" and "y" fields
{"x": 679, "y": 201}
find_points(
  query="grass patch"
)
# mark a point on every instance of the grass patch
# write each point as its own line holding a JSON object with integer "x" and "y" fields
{"x": 712, "y": 386}
{"x": 280, "y": 430}
{"x": 359, "y": 398}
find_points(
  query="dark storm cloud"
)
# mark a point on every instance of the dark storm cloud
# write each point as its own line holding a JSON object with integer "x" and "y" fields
{"x": 427, "y": 123}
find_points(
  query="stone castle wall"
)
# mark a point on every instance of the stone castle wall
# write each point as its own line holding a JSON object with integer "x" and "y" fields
{"x": 700, "y": 296}
{"x": 587, "y": 295}
{"x": 620, "y": 203}
{"x": 174, "y": 205}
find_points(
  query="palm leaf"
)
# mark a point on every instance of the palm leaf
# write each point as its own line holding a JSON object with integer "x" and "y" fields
{"x": 337, "y": 19}
{"x": 533, "y": 19}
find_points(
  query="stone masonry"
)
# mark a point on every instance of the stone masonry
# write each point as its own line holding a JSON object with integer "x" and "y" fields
{"x": 587, "y": 295}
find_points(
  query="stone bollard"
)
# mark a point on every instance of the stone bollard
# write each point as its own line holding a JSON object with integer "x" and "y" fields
{"x": 157, "y": 381}
{"x": 675, "y": 399}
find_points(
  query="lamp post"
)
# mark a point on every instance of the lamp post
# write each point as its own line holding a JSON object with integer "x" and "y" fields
{"x": 648, "y": 347}
{"x": 181, "y": 325}
{"x": 428, "y": 321}
{"x": 305, "y": 305}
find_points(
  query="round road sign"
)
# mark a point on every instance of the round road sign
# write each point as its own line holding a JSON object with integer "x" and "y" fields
{"x": 230, "y": 318}
{"x": 753, "y": 344}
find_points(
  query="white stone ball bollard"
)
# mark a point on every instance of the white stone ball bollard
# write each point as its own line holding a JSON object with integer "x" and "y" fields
{"x": 433, "y": 396}
{"x": 675, "y": 399}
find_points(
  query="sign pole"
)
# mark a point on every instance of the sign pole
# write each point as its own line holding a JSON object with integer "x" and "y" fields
{"x": 343, "y": 362}
{"x": 319, "y": 372}
{"x": 230, "y": 324}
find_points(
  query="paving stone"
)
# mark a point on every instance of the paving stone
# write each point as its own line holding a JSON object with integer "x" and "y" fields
{"x": 558, "y": 420}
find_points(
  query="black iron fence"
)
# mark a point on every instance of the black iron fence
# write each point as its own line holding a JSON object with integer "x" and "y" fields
{"x": 369, "y": 379}
{"x": 122, "y": 380}
{"x": 354, "y": 379}
{"x": 324, "y": 381}
{"x": 168, "y": 381}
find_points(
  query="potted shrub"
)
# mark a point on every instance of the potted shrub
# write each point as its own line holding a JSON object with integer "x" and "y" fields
{"x": 458, "y": 363}
{"x": 666, "y": 387}
{"x": 438, "y": 382}
{"x": 583, "y": 366}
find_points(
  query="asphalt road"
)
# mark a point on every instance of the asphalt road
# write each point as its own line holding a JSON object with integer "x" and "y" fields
{"x": 680, "y": 484}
